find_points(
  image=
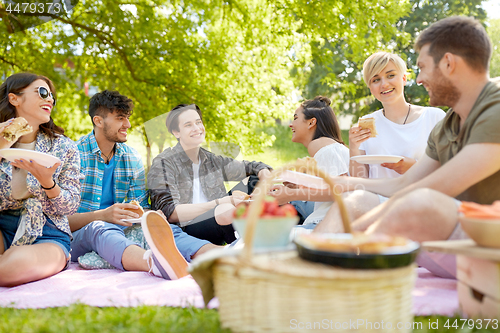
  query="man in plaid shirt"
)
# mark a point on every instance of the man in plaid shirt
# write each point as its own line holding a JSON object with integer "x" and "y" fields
{"x": 114, "y": 176}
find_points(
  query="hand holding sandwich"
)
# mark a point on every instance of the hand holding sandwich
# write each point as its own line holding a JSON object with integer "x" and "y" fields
{"x": 358, "y": 135}
{"x": 4, "y": 143}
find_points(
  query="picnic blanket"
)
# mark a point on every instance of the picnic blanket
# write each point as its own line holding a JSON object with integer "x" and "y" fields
{"x": 111, "y": 287}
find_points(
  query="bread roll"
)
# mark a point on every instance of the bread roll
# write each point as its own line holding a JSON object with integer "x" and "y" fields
{"x": 139, "y": 211}
{"x": 16, "y": 129}
{"x": 368, "y": 123}
{"x": 241, "y": 194}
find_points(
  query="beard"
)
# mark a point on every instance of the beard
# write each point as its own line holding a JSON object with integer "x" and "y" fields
{"x": 110, "y": 135}
{"x": 443, "y": 92}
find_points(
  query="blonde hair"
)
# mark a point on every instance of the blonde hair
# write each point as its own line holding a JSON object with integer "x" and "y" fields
{"x": 377, "y": 62}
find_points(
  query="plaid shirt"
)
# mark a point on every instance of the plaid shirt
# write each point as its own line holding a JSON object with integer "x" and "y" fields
{"x": 130, "y": 183}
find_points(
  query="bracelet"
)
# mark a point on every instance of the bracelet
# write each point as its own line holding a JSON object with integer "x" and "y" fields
{"x": 49, "y": 188}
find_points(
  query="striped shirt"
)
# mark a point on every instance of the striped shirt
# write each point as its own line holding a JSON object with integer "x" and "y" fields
{"x": 130, "y": 182}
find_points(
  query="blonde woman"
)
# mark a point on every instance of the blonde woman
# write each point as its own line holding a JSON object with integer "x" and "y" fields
{"x": 403, "y": 128}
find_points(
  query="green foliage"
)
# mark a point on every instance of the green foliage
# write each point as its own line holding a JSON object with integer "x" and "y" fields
{"x": 493, "y": 29}
{"x": 231, "y": 58}
{"x": 342, "y": 77}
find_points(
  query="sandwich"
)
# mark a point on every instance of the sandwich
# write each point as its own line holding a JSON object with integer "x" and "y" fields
{"x": 241, "y": 195}
{"x": 368, "y": 123}
{"x": 16, "y": 129}
{"x": 139, "y": 210}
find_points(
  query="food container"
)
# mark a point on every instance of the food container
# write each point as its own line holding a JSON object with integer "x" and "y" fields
{"x": 397, "y": 256}
{"x": 485, "y": 232}
{"x": 270, "y": 233}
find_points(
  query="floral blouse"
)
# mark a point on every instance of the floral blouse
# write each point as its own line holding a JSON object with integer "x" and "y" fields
{"x": 67, "y": 176}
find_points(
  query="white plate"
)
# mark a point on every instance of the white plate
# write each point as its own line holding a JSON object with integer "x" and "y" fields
{"x": 12, "y": 154}
{"x": 138, "y": 220}
{"x": 303, "y": 179}
{"x": 376, "y": 159}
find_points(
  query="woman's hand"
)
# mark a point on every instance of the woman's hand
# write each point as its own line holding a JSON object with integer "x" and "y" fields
{"x": 40, "y": 172}
{"x": 356, "y": 137}
{"x": 281, "y": 193}
{"x": 4, "y": 143}
{"x": 402, "y": 166}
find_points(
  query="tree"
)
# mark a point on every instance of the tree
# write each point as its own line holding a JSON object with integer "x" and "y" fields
{"x": 232, "y": 58}
{"x": 494, "y": 33}
{"x": 341, "y": 75}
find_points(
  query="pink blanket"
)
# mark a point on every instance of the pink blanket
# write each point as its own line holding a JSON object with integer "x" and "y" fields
{"x": 109, "y": 287}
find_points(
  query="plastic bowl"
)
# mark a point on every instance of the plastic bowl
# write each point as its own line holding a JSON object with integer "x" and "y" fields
{"x": 270, "y": 234}
{"x": 485, "y": 232}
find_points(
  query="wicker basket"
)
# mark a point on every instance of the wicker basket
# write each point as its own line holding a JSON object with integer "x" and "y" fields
{"x": 280, "y": 292}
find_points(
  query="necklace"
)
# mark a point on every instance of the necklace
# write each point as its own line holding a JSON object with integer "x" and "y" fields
{"x": 108, "y": 157}
{"x": 409, "y": 108}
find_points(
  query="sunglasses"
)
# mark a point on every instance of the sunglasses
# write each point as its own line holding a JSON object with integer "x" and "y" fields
{"x": 44, "y": 93}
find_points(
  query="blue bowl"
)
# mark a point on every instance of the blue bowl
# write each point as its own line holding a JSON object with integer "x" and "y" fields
{"x": 270, "y": 234}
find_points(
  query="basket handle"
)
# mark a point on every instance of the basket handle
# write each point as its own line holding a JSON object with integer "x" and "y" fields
{"x": 263, "y": 188}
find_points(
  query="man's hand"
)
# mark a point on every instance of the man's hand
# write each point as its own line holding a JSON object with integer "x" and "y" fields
{"x": 264, "y": 174}
{"x": 402, "y": 166}
{"x": 117, "y": 213}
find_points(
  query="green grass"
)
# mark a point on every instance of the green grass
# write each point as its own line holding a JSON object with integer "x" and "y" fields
{"x": 86, "y": 319}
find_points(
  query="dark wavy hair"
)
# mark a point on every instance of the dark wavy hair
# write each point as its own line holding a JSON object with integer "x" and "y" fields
{"x": 109, "y": 101}
{"x": 326, "y": 122}
{"x": 172, "y": 121}
{"x": 15, "y": 84}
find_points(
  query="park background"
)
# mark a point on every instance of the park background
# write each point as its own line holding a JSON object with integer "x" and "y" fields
{"x": 246, "y": 63}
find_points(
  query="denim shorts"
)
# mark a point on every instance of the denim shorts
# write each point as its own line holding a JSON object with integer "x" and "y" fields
{"x": 9, "y": 221}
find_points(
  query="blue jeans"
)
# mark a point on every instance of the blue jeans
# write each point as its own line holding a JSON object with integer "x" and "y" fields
{"x": 9, "y": 222}
{"x": 109, "y": 241}
{"x": 304, "y": 209}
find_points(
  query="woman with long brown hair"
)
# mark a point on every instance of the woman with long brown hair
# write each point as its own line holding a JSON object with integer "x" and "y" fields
{"x": 35, "y": 199}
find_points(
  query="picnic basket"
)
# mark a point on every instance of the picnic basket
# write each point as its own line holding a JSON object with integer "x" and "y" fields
{"x": 280, "y": 292}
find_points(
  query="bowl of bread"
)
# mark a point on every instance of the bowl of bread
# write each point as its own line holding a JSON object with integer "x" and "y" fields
{"x": 357, "y": 250}
{"x": 481, "y": 223}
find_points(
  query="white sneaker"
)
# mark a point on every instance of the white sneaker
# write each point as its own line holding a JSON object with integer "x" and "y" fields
{"x": 164, "y": 258}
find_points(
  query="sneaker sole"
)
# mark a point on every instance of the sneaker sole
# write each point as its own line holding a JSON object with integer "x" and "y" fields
{"x": 160, "y": 238}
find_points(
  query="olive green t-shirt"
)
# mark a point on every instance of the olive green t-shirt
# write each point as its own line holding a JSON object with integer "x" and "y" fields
{"x": 481, "y": 126}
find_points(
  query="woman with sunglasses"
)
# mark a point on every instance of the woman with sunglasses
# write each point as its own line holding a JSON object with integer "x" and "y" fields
{"x": 315, "y": 126}
{"x": 34, "y": 199}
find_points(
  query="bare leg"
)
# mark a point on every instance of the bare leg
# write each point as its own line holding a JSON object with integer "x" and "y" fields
{"x": 132, "y": 259}
{"x": 205, "y": 248}
{"x": 27, "y": 263}
{"x": 358, "y": 203}
{"x": 2, "y": 249}
{"x": 224, "y": 214}
{"x": 421, "y": 215}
